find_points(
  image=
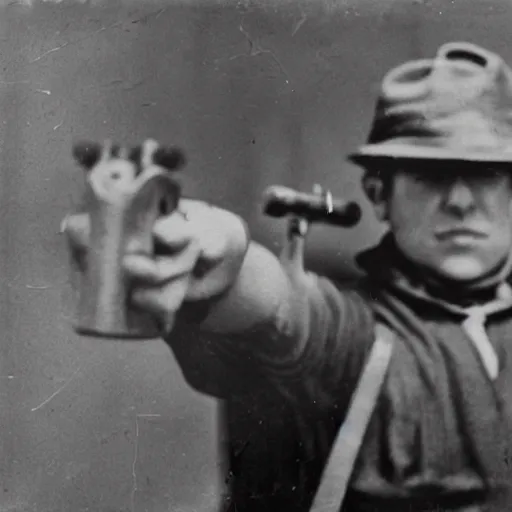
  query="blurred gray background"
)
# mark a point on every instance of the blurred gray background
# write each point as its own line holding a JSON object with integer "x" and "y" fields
{"x": 257, "y": 93}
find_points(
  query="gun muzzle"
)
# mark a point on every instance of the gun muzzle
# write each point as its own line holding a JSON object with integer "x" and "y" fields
{"x": 281, "y": 201}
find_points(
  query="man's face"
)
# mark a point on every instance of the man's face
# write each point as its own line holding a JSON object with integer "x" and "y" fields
{"x": 457, "y": 224}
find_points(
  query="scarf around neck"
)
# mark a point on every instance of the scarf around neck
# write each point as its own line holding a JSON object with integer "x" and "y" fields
{"x": 387, "y": 263}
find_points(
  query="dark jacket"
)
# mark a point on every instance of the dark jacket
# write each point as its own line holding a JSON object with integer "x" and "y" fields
{"x": 441, "y": 435}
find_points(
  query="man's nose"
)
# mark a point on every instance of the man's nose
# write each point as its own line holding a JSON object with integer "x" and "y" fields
{"x": 459, "y": 197}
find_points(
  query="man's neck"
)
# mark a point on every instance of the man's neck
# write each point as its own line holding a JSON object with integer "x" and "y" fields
{"x": 387, "y": 262}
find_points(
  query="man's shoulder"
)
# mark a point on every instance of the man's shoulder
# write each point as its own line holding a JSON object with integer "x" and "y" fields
{"x": 346, "y": 308}
{"x": 358, "y": 285}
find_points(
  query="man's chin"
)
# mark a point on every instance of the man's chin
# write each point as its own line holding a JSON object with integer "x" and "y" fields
{"x": 463, "y": 269}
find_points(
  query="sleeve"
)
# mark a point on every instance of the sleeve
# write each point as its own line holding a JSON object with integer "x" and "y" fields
{"x": 311, "y": 349}
{"x": 319, "y": 342}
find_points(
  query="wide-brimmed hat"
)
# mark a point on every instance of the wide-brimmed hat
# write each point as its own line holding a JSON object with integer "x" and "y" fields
{"x": 455, "y": 107}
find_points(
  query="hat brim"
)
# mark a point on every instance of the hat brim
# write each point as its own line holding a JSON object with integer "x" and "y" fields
{"x": 372, "y": 152}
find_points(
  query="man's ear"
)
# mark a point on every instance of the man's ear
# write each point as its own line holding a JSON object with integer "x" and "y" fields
{"x": 377, "y": 192}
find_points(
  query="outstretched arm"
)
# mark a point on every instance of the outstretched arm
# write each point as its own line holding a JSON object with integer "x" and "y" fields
{"x": 231, "y": 309}
{"x": 253, "y": 314}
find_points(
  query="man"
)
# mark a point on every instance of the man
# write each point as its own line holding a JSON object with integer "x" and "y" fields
{"x": 438, "y": 172}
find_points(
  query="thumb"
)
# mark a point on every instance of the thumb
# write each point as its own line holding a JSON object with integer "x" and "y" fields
{"x": 77, "y": 229}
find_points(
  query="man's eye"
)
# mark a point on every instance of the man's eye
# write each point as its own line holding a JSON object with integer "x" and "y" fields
{"x": 487, "y": 175}
{"x": 495, "y": 173}
{"x": 430, "y": 178}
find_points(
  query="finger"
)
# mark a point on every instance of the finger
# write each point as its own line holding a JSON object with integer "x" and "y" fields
{"x": 194, "y": 209}
{"x": 173, "y": 232}
{"x": 159, "y": 270}
{"x": 162, "y": 301}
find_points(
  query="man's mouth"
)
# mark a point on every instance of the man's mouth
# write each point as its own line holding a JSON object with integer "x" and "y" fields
{"x": 460, "y": 234}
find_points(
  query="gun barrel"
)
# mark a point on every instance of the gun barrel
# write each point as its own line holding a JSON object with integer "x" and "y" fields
{"x": 281, "y": 201}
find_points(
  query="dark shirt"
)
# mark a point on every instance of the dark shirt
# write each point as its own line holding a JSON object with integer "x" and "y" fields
{"x": 441, "y": 435}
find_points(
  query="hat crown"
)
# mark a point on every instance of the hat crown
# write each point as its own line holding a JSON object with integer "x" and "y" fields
{"x": 458, "y": 102}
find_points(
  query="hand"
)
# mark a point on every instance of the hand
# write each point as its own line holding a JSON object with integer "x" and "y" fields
{"x": 200, "y": 249}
